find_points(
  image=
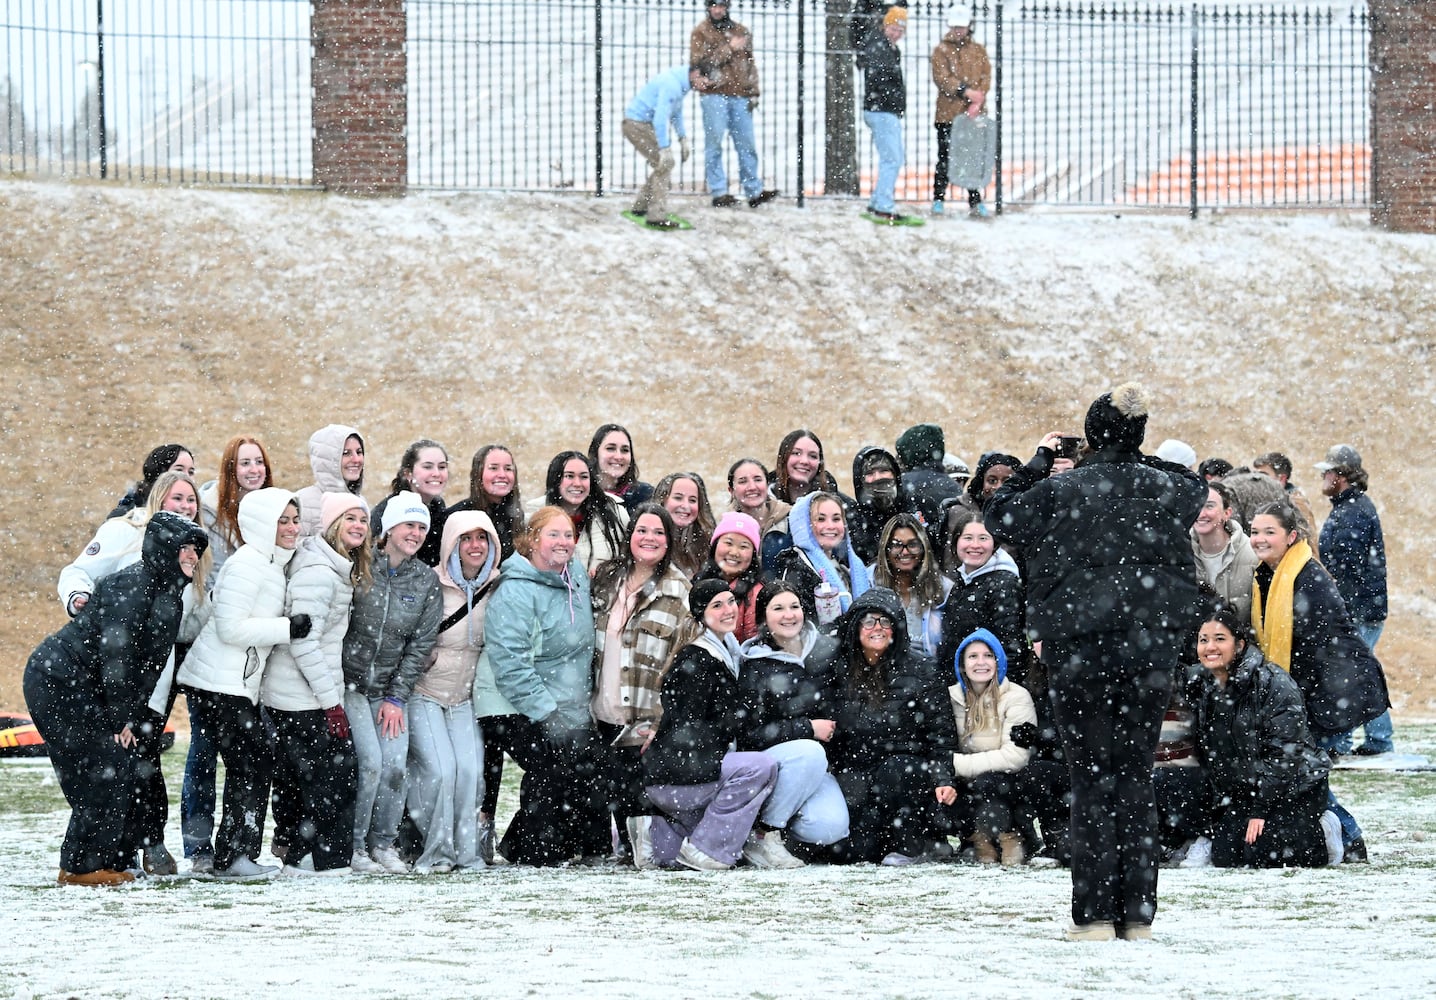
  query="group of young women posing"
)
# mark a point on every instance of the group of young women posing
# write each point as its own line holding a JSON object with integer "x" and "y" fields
{"x": 681, "y": 688}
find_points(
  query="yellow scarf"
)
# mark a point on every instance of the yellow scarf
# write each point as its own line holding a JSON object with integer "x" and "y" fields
{"x": 1273, "y": 629}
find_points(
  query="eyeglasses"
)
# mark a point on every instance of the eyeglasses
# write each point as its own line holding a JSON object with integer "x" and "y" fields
{"x": 870, "y": 622}
{"x": 898, "y": 546}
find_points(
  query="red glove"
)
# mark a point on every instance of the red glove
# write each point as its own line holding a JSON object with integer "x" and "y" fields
{"x": 338, "y": 722}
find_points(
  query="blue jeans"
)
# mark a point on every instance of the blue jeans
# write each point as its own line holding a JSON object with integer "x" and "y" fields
{"x": 806, "y": 799}
{"x": 723, "y": 115}
{"x": 887, "y": 139}
{"x": 379, "y": 802}
{"x": 197, "y": 795}
{"x": 446, "y": 773}
{"x": 1379, "y": 730}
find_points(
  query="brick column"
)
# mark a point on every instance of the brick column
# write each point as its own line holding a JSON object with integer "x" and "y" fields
{"x": 1403, "y": 115}
{"x": 360, "y": 103}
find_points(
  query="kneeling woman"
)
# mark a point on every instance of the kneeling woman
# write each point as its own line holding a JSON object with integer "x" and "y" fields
{"x": 710, "y": 798}
{"x": 1268, "y": 777}
{"x": 893, "y": 758}
{"x": 87, "y": 696}
{"x": 987, "y": 706}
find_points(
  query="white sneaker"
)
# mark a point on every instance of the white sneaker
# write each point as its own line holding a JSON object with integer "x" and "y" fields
{"x": 305, "y": 869}
{"x": 362, "y": 864}
{"x": 437, "y": 868}
{"x": 388, "y": 859}
{"x": 896, "y": 860}
{"x": 766, "y": 850}
{"x": 1199, "y": 855}
{"x": 691, "y": 857}
{"x": 640, "y": 836}
{"x": 1331, "y": 833}
{"x": 244, "y": 870}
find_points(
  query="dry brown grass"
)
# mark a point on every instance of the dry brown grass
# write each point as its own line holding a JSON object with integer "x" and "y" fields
{"x": 130, "y": 317}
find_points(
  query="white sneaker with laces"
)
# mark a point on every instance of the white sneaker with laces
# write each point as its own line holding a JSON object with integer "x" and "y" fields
{"x": 766, "y": 850}
{"x": 362, "y": 864}
{"x": 388, "y": 859}
{"x": 1199, "y": 855}
{"x": 691, "y": 857}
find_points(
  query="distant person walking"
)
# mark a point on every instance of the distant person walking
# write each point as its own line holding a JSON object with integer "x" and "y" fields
{"x": 884, "y": 103}
{"x": 1354, "y": 553}
{"x": 727, "y": 46}
{"x": 650, "y": 123}
{"x": 962, "y": 74}
{"x": 1111, "y": 591}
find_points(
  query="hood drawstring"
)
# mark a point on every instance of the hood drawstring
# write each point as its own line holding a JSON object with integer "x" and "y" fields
{"x": 567, "y": 579}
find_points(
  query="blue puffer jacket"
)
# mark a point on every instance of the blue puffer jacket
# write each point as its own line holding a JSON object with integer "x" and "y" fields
{"x": 538, "y": 639}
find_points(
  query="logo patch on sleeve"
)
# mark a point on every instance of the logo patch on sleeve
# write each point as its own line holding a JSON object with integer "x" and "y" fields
{"x": 93, "y": 549}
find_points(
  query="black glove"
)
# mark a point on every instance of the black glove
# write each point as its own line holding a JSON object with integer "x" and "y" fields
{"x": 299, "y": 626}
{"x": 1024, "y": 735}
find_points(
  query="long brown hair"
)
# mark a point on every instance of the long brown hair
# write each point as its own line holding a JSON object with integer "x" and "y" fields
{"x": 688, "y": 545}
{"x": 226, "y": 517}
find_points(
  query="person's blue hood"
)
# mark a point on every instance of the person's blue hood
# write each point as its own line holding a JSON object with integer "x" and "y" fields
{"x": 989, "y": 640}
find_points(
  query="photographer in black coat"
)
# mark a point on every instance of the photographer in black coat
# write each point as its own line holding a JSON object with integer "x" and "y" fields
{"x": 87, "y": 687}
{"x": 1110, "y": 590}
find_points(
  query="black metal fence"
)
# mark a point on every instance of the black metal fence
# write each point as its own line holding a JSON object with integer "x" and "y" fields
{"x": 1098, "y": 103}
{"x": 165, "y": 91}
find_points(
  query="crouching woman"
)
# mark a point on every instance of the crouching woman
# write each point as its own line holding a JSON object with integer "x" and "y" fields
{"x": 1269, "y": 780}
{"x": 710, "y": 798}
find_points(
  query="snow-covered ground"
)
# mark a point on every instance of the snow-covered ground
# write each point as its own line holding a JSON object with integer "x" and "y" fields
{"x": 931, "y": 931}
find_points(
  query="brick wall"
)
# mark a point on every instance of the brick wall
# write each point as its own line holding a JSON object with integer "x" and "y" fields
{"x": 1403, "y": 114}
{"x": 360, "y": 105}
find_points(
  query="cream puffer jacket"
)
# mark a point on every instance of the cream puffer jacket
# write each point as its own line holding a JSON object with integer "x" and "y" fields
{"x": 992, "y": 749}
{"x": 326, "y": 456}
{"x": 308, "y": 674}
{"x": 248, "y": 618}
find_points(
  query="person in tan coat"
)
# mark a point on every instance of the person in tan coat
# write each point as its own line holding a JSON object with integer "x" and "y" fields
{"x": 962, "y": 74}
{"x": 724, "y": 47}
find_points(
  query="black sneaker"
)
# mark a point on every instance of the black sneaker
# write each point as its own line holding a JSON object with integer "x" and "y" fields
{"x": 893, "y": 217}
{"x": 762, "y": 198}
{"x": 1366, "y": 751}
{"x": 661, "y": 224}
{"x": 724, "y": 201}
{"x": 1355, "y": 853}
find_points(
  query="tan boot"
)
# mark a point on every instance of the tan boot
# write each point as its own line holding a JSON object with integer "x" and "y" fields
{"x": 986, "y": 850}
{"x": 1012, "y": 852}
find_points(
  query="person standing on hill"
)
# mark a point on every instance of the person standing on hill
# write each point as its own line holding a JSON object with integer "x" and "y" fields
{"x": 727, "y": 46}
{"x": 884, "y": 103}
{"x": 1111, "y": 592}
{"x": 1354, "y": 552}
{"x": 962, "y": 74}
{"x": 653, "y": 113}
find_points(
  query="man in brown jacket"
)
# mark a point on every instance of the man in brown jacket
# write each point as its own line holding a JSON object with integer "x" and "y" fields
{"x": 963, "y": 74}
{"x": 724, "y": 47}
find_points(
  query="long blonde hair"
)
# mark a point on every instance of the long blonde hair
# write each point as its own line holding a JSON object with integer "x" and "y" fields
{"x": 361, "y": 573}
{"x": 155, "y": 503}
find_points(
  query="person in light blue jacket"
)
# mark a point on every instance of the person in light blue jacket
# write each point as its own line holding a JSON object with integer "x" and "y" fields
{"x": 538, "y": 638}
{"x": 647, "y": 122}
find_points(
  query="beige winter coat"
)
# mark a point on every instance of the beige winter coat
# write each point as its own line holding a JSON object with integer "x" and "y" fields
{"x": 992, "y": 749}
{"x": 449, "y": 677}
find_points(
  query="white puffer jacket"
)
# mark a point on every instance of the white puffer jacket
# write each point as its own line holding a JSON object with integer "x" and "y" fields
{"x": 116, "y": 544}
{"x": 326, "y": 457}
{"x": 248, "y": 620}
{"x": 308, "y": 674}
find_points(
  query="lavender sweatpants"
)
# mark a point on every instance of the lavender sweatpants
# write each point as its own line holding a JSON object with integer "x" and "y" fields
{"x": 715, "y": 817}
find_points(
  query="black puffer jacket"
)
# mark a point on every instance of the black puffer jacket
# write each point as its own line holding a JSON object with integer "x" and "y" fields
{"x": 1254, "y": 737}
{"x": 115, "y": 648}
{"x": 783, "y": 693}
{"x": 913, "y": 717}
{"x": 1106, "y": 544}
{"x": 994, "y": 599}
{"x": 881, "y": 63}
{"x": 702, "y": 716}
{"x": 1341, "y": 682}
{"x": 865, "y": 522}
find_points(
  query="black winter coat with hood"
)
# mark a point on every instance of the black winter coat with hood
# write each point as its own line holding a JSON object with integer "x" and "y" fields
{"x": 1106, "y": 545}
{"x": 867, "y": 519}
{"x": 702, "y": 714}
{"x": 115, "y": 648}
{"x": 912, "y": 717}
{"x": 784, "y": 693}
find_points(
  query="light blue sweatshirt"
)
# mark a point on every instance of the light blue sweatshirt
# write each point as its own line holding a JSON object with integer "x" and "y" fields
{"x": 661, "y": 102}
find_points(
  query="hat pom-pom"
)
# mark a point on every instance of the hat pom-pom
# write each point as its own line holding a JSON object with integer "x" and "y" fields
{"x": 1131, "y": 400}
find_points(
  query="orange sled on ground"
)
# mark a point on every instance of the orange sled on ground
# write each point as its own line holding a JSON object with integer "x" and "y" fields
{"x": 20, "y": 738}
